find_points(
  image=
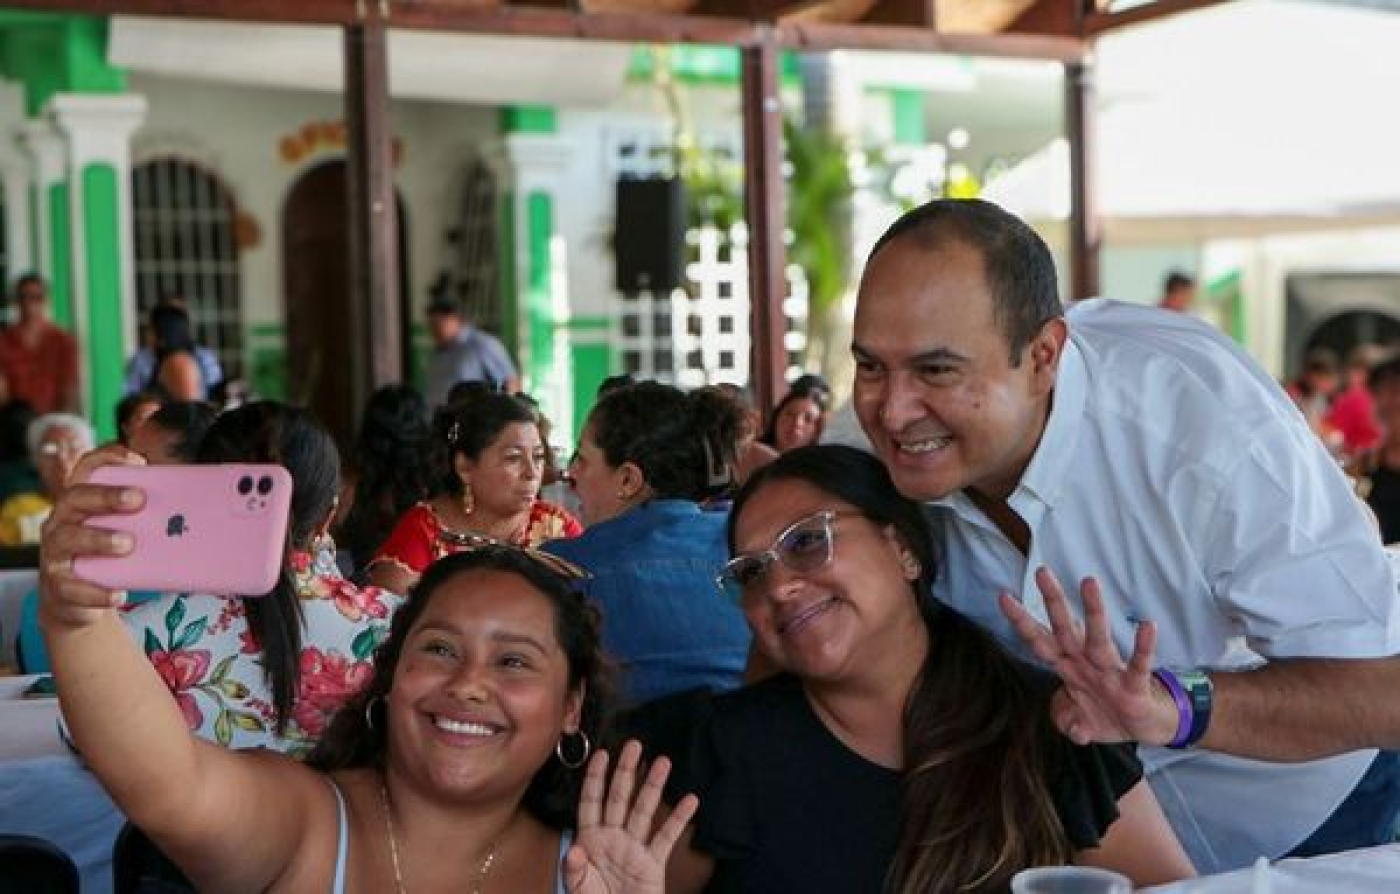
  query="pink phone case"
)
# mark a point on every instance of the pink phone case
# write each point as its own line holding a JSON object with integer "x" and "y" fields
{"x": 217, "y": 529}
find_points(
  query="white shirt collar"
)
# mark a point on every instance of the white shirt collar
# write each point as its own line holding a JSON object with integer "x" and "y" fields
{"x": 1049, "y": 467}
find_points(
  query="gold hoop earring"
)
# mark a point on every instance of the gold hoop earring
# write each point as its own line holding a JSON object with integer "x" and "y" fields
{"x": 369, "y": 710}
{"x": 468, "y": 499}
{"x": 584, "y": 750}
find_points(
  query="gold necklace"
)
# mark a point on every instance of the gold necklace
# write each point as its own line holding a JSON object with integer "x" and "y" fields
{"x": 481, "y": 872}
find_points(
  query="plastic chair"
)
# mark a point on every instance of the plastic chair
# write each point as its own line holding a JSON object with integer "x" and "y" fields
{"x": 139, "y": 867}
{"x": 31, "y": 865}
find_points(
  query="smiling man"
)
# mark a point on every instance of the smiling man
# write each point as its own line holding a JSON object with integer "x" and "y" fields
{"x": 1144, "y": 449}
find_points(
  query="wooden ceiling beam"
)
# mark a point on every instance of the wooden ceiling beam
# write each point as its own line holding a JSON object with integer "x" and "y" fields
{"x": 1098, "y": 23}
{"x": 916, "y": 13}
{"x": 299, "y": 12}
{"x": 486, "y": 17}
{"x": 1051, "y": 48}
{"x": 1062, "y": 17}
{"x": 757, "y": 10}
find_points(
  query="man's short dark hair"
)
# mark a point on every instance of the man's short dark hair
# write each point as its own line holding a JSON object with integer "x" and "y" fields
{"x": 31, "y": 279}
{"x": 1177, "y": 280}
{"x": 1016, "y": 262}
{"x": 444, "y": 306}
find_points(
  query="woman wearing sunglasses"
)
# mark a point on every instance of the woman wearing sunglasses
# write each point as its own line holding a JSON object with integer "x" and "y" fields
{"x": 899, "y": 748}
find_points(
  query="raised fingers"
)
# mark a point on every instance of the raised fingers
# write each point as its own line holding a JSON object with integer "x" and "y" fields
{"x": 1098, "y": 641}
{"x": 623, "y": 782}
{"x": 1030, "y": 630}
{"x": 590, "y": 800}
{"x": 1063, "y": 624}
{"x": 644, "y": 808}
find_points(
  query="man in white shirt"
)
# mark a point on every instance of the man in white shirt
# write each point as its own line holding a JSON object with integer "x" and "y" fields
{"x": 1146, "y": 450}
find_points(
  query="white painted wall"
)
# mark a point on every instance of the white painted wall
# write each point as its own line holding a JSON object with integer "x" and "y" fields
{"x": 236, "y": 131}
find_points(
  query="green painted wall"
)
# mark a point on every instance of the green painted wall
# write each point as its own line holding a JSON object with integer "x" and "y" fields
{"x": 539, "y": 311}
{"x": 910, "y": 125}
{"x": 102, "y": 247}
{"x": 703, "y": 64}
{"x": 267, "y": 359}
{"x": 52, "y": 53}
{"x": 61, "y": 238}
{"x": 591, "y": 356}
{"x": 529, "y": 119}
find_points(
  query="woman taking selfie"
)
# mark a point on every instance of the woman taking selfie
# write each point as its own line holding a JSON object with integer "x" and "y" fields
{"x": 267, "y": 670}
{"x": 491, "y": 467}
{"x": 899, "y": 748}
{"x": 454, "y": 771}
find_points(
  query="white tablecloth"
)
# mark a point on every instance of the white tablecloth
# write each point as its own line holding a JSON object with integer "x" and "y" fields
{"x": 46, "y": 791}
{"x": 1374, "y": 870}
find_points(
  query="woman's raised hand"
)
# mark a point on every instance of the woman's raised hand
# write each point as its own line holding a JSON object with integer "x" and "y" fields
{"x": 1104, "y": 698}
{"x": 66, "y": 599}
{"x": 617, "y": 851}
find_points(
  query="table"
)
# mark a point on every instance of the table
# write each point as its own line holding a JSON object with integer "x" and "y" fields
{"x": 46, "y": 791}
{"x": 1366, "y": 871}
{"x": 14, "y": 585}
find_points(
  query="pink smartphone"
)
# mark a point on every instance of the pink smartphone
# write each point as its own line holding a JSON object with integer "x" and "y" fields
{"x": 218, "y": 529}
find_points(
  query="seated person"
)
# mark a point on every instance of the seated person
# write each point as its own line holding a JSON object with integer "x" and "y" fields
{"x": 798, "y": 418}
{"x": 268, "y": 670}
{"x": 899, "y": 748}
{"x": 648, "y": 457}
{"x": 490, "y": 473}
{"x": 55, "y": 442}
{"x": 458, "y": 768}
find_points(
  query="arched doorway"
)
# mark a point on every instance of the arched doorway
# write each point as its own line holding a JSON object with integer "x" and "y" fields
{"x": 316, "y": 292}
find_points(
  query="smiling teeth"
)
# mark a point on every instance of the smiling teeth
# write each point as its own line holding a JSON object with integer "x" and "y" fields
{"x": 927, "y": 446}
{"x": 466, "y": 728}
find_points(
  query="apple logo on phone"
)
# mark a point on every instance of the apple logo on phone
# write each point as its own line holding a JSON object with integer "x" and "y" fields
{"x": 176, "y": 527}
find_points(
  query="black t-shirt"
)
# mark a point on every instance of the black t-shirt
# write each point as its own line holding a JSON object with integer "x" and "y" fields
{"x": 785, "y": 806}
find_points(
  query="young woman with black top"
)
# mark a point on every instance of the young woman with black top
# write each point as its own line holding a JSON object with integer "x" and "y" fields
{"x": 899, "y": 749}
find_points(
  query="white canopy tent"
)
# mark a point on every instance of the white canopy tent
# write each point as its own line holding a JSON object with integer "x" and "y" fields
{"x": 1244, "y": 119}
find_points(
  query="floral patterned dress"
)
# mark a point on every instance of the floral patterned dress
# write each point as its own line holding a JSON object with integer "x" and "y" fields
{"x": 420, "y": 538}
{"x": 204, "y": 650}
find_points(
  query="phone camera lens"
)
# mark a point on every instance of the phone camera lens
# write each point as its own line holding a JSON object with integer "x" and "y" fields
{"x": 265, "y": 485}
{"x": 245, "y": 485}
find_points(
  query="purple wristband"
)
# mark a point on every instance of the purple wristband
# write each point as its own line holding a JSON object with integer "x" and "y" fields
{"x": 1185, "y": 714}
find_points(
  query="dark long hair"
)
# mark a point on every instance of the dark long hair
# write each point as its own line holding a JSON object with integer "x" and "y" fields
{"x": 271, "y": 432}
{"x": 468, "y": 427}
{"x": 685, "y": 443}
{"x": 392, "y": 468}
{"x": 817, "y": 395}
{"x": 975, "y": 805}
{"x": 358, "y": 734}
{"x": 1016, "y": 262}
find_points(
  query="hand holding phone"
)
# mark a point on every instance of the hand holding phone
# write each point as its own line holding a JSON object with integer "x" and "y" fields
{"x": 219, "y": 529}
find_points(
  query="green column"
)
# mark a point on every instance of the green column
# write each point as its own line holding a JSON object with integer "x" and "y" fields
{"x": 535, "y": 311}
{"x": 539, "y": 287}
{"x": 98, "y": 130}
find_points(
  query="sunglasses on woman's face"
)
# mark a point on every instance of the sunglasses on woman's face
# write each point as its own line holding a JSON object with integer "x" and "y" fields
{"x": 805, "y": 545}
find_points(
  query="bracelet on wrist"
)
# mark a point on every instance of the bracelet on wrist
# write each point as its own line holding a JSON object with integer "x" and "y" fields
{"x": 1184, "y": 713}
{"x": 1194, "y": 695}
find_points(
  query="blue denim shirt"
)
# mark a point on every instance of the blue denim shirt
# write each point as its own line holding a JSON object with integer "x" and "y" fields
{"x": 664, "y": 619}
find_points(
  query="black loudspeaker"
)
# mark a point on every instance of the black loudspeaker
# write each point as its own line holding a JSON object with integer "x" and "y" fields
{"x": 649, "y": 236}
